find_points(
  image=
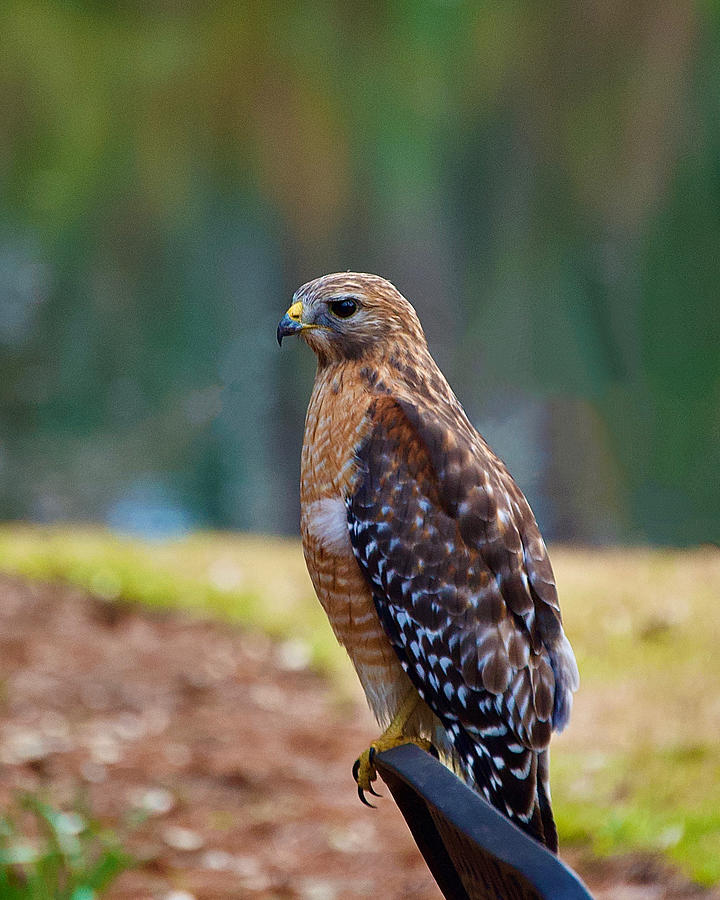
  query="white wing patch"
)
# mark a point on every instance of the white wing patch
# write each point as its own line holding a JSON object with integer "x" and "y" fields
{"x": 327, "y": 523}
{"x": 567, "y": 680}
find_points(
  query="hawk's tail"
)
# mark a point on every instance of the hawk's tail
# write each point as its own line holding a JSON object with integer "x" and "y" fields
{"x": 512, "y": 777}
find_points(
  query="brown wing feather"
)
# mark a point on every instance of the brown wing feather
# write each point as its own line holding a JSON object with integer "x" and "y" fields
{"x": 494, "y": 517}
{"x": 440, "y": 528}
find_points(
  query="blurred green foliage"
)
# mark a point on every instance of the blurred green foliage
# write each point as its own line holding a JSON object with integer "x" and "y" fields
{"x": 46, "y": 854}
{"x": 540, "y": 179}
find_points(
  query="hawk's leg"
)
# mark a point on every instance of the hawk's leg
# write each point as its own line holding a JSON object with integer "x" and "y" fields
{"x": 364, "y": 769}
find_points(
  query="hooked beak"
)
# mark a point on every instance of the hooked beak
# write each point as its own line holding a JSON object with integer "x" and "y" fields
{"x": 290, "y": 323}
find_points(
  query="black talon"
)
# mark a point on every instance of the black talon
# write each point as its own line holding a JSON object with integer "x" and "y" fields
{"x": 371, "y": 755}
{"x": 433, "y": 751}
{"x": 361, "y": 795}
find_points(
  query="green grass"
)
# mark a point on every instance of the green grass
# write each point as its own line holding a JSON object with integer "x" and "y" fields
{"x": 639, "y": 766}
{"x": 259, "y": 582}
{"x": 46, "y": 854}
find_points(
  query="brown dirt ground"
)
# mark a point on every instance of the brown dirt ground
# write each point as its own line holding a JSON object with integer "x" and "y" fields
{"x": 240, "y": 756}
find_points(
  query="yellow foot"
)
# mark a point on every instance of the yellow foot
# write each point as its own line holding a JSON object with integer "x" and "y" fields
{"x": 364, "y": 771}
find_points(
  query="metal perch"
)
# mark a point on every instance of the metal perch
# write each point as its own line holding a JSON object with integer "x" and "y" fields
{"x": 473, "y": 852}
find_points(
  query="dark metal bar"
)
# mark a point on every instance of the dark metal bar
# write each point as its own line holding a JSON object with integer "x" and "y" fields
{"x": 472, "y": 850}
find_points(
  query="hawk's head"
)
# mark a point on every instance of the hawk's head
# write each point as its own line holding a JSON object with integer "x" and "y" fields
{"x": 349, "y": 315}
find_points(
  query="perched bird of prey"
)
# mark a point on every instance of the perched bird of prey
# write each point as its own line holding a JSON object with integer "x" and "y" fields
{"x": 425, "y": 554}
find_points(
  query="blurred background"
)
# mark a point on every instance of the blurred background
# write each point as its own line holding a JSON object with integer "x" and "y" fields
{"x": 541, "y": 180}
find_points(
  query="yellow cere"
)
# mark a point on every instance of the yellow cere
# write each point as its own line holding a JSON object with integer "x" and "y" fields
{"x": 295, "y": 311}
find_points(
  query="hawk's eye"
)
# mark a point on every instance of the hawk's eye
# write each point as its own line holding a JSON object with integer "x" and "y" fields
{"x": 343, "y": 309}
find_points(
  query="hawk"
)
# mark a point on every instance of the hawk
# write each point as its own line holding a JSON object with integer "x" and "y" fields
{"x": 425, "y": 554}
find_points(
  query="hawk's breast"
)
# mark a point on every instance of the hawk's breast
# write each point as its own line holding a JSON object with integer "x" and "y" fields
{"x": 336, "y": 425}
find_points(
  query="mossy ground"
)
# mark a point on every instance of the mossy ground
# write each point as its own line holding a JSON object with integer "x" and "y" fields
{"x": 639, "y": 766}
